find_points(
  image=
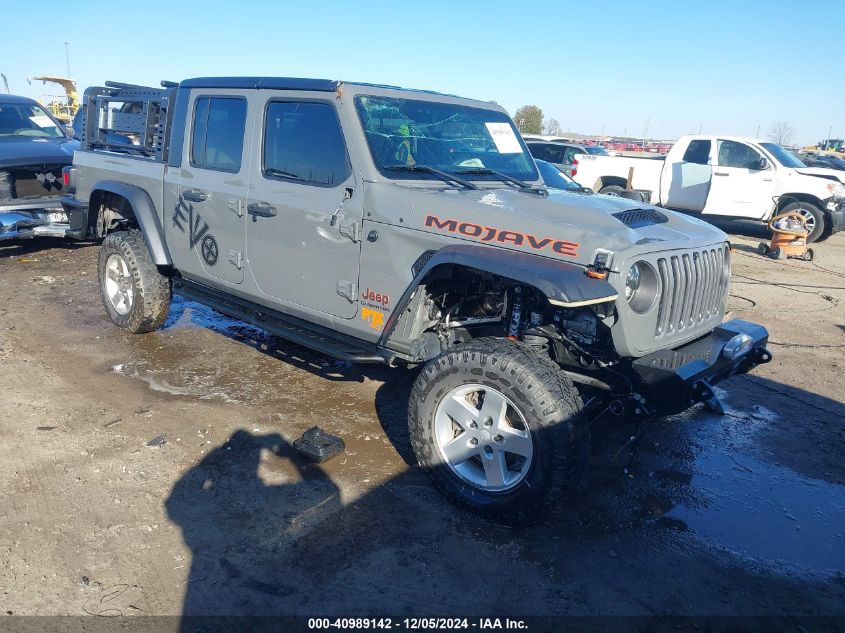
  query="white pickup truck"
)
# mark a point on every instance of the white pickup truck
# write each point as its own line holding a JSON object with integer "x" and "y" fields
{"x": 728, "y": 176}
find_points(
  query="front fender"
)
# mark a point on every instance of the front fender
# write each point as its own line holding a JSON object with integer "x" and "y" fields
{"x": 145, "y": 214}
{"x": 565, "y": 285}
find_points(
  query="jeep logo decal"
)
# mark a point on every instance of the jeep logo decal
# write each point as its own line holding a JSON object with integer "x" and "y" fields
{"x": 491, "y": 234}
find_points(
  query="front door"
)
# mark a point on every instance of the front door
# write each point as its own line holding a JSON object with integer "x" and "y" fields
{"x": 207, "y": 224}
{"x": 739, "y": 187}
{"x": 304, "y": 210}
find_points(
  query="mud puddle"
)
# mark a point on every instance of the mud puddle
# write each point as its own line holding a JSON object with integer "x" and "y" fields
{"x": 758, "y": 509}
{"x": 765, "y": 511}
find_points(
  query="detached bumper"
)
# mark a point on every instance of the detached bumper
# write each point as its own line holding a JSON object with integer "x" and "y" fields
{"x": 836, "y": 209}
{"x": 674, "y": 380}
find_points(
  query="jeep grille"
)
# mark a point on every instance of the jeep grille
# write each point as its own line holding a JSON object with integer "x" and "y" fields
{"x": 694, "y": 286}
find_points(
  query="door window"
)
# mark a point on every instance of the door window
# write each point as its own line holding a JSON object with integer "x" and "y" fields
{"x": 303, "y": 142}
{"x": 569, "y": 154}
{"x": 554, "y": 154}
{"x": 218, "y": 136}
{"x": 734, "y": 154}
{"x": 698, "y": 152}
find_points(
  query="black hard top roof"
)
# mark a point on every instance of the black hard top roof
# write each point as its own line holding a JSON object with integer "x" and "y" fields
{"x": 285, "y": 83}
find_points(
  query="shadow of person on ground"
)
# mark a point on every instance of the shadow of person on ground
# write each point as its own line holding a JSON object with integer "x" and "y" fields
{"x": 237, "y": 524}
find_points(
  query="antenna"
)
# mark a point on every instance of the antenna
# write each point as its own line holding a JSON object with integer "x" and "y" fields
{"x": 6, "y": 83}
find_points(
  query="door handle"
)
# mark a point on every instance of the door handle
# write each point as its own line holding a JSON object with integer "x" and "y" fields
{"x": 260, "y": 209}
{"x": 193, "y": 195}
{"x": 721, "y": 173}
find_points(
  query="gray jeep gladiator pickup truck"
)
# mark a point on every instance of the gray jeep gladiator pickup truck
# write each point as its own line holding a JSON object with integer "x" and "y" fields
{"x": 382, "y": 225}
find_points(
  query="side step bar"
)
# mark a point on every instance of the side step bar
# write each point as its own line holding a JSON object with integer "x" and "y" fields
{"x": 315, "y": 337}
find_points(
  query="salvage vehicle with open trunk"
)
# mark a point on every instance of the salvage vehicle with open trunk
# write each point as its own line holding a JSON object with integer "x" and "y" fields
{"x": 382, "y": 225}
{"x": 34, "y": 147}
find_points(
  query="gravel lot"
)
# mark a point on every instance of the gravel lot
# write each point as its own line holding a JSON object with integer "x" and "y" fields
{"x": 153, "y": 474}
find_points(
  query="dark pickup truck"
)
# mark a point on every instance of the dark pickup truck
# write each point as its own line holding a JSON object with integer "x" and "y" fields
{"x": 34, "y": 147}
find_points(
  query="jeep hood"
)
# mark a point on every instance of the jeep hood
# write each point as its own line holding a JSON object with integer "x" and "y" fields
{"x": 568, "y": 226}
{"x": 28, "y": 150}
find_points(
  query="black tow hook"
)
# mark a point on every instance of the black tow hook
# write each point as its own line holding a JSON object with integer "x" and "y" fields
{"x": 703, "y": 392}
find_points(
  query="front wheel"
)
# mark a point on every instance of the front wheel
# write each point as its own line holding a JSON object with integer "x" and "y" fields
{"x": 135, "y": 294}
{"x": 499, "y": 428}
{"x": 814, "y": 219}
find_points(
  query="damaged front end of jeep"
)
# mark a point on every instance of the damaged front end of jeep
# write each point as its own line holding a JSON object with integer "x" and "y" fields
{"x": 640, "y": 335}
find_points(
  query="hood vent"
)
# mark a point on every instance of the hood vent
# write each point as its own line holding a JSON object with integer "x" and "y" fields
{"x": 638, "y": 218}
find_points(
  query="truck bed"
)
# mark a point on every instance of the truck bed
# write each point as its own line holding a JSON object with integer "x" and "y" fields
{"x": 596, "y": 172}
{"x": 144, "y": 173}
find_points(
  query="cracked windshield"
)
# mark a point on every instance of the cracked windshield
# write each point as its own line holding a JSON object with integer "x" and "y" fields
{"x": 407, "y": 137}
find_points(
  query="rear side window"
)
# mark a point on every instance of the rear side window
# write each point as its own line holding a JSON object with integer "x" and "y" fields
{"x": 303, "y": 142}
{"x": 218, "y": 139}
{"x": 698, "y": 152}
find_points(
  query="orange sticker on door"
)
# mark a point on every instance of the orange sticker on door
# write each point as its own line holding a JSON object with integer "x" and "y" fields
{"x": 374, "y": 318}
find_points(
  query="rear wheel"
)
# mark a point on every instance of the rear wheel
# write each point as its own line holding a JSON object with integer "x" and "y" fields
{"x": 612, "y": 190}
{"x": 499, "y": 428}
{"x": 135, "y": 294}
{"x": 762, "y": 248}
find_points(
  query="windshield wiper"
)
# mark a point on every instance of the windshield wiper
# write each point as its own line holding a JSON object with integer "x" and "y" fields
{"x": 444, "y": 176}
{"x": 272, "y": 171}
{"x": 521, "y": 184}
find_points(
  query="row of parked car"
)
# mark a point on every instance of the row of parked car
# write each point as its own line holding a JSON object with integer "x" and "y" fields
{"x": 711, "y": 175}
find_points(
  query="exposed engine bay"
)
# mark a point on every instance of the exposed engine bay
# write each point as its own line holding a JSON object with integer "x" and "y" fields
{"x": 461, "y": 304}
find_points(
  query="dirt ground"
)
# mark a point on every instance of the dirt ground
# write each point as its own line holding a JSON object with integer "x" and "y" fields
{"x": 153, "y": 474}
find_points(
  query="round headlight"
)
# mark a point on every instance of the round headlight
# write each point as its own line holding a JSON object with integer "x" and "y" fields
{"x": 641, "y": 287}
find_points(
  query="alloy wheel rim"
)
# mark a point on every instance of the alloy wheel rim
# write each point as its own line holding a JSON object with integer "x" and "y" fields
{"x": 809, "y": 219}
{"x": 483, "y": 437}
{"x": 118, "y": 284}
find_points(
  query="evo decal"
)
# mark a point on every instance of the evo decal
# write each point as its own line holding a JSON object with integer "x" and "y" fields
{"x": 491, "y": 234}
{"x": 189, "y": 221}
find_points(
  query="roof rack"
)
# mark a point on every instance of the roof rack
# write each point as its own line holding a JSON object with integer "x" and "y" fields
{"x": 128, "y": 118}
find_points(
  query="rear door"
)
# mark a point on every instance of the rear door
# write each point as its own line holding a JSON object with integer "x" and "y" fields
{"x": 206, "y": 229}
{"x": 685, "y": 184}
{"x": 304, "y": 206}
{"x": 739, "y": 187}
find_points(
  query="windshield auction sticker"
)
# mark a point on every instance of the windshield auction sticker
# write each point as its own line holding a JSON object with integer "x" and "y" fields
{"x": 42, "y": 120}
{"x": 504, "y": 138}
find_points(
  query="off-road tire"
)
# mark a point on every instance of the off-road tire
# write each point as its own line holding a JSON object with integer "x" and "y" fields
{"x": 821, "y": 231}
{"x": 612, "y": 190}
{"x": 547, "y": 399}
{"x": 151, "y": 290}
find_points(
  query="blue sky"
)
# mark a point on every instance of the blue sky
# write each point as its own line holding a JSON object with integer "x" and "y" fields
{"x": 725, "y": 66}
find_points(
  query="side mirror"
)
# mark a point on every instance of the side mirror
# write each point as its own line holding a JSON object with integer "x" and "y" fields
{"x": 70, "y": 132}
{"x": 760, "y": 165}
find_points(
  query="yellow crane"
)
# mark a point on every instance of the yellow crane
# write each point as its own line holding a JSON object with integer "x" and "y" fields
{"x": 62, "y": 111}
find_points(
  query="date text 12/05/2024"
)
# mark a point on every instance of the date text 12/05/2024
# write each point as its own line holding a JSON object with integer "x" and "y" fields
{"x": 417, "y": 624}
